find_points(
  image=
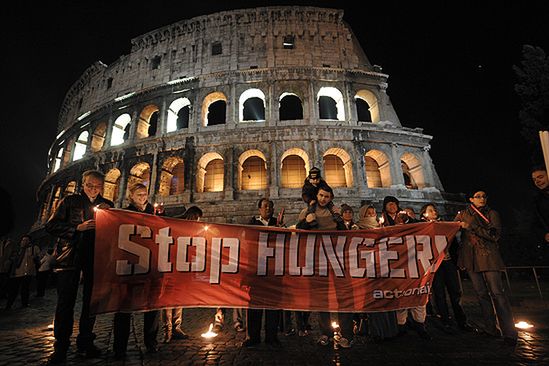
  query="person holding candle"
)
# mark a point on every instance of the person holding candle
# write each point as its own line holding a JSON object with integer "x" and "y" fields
{"x": 479, "y": 256}
{"x": 138, "y": 195}
{"x": 73, "y": 222}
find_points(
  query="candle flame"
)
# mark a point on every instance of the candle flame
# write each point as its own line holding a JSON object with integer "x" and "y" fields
{"x": 335, "y": 325}
{"x": 524, "y": 325}
{"x": 210, "y": 333}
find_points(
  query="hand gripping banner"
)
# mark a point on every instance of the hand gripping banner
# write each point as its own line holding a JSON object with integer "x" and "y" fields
{"x": 145, "y": 262}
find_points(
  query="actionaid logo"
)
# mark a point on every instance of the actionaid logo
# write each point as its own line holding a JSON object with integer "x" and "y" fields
{"x": 396, "y": 293}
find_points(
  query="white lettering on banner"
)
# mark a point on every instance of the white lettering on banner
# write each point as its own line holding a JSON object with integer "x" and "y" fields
{"x": 394, "y": 257}
{"x": 123, "y": 267}
{"x": 396, "y": 293}
{"x": 164, "y": 240}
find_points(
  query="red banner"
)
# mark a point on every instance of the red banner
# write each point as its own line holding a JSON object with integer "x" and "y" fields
{"x": 147, "y": 262}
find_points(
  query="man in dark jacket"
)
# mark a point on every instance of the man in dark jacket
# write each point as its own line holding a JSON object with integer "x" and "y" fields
{"x": 265, "y": 218}
{"x": 73, "y": 222}
{"x": 479, "y": 255}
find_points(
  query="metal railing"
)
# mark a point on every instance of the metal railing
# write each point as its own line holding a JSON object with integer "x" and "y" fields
{"x": 535, "y": 273}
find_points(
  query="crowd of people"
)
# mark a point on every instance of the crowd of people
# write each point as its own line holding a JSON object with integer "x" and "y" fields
{"x": 475, "y": 251}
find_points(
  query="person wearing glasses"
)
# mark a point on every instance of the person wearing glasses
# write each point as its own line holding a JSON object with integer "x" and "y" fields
{"x": 73, "y": 222}
{"x": 479, "y": 256}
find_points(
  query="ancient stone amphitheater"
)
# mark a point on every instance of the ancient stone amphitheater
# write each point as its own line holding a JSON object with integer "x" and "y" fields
{"x": 222, "y": 109}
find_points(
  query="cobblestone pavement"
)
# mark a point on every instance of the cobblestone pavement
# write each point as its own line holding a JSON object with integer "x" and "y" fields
{"x": 26, "y": 340}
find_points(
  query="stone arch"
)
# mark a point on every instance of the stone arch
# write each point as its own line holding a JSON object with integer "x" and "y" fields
{"x": 370, "y": 111}
{"x": 147, "y": 122}
{"x": 290, "y": 107}
{"x": 178, "y": 114}
{"x": 210, "y": 173}
{"x": 252, "y": 170}
{"x": 121, "y": 129}
{"x": 294, "y": 167}
{"x": 70, "y": 188}
{"x": 56, "y": 199}
{"x": 377, "y": 169}
{"x": 68, "y": 151}
{"x": 139, "y": 173}
{"x": 412, "y": 169}
{"x": 172, "y": 177}
{"x": 98, "y": 137}
{"x": 330, "y": 104}
{"x": 58, "y": 160}
{"x": 80, "y": 146}
{"x": 251, "y": 105}
{"x": 338, "y": 168}
{"x": 214, "y": 109}
{"x": 112, "y": 183}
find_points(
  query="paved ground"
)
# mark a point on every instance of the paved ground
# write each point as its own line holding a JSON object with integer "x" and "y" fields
{"x": 26, "y": 340}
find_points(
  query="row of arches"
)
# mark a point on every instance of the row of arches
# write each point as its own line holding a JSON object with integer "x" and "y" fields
{"x": 253, "y": 173}
{"x": 251, "y": 108}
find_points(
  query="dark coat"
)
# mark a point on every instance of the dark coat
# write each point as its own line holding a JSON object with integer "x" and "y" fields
{"x": 149, "y": 209}
{"x": 255, "y": 221}
{"x": 74, "y": 248}
{"x": 541, "y": 222}
{"x": 479, "y": 249}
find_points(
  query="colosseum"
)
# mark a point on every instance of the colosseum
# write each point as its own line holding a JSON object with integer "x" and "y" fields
{"x": 222, "y": 109}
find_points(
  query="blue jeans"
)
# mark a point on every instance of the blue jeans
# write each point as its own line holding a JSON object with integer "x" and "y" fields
{"x": 489, "y": 289}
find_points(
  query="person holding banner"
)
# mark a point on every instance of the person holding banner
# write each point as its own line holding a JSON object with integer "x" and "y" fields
{"x": 139, "y": 203}
{"x": 446, "y": 279}
{"x": 172, "y": 318}
{"x": 73, "y": 222}
{"x": 479, "y": 255}
{"x": 324, "y": 217}
{"x": 393, "y": 215}
{"x": 254, "y": 316}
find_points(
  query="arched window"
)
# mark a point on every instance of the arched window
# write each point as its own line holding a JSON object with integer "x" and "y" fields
{"x": 412, "y": 171}
{"x": 290, "y": 107}
{"x": 338, "y": 168}
{"x": 80, "y": 146}
{"x": 147, "y": 122}
{"x": 214, "y": 109}
{"x": 367, "y": 107}
{"x": 253, "y": 170}
{"x": 121, "y": 129}
{"x": 178, "y": 115}
{"x": 56, "y": 198}
{"x": 98, "y": 137}
{"x": 70, "y": 188}
{"x": 139, "y": 173}
{"x": 252, "y": 105}
{"x": 362, "y": 111}
{"x": 294, "y": 168}
{"x": 293, "y": 172}
{"x": 210, "y": 174}
{"x": 330, "y": 104}
{"x": 58, "y": 160}
{"x": 213, "y": 179}
{"x": 172, "y": 177}
{"x": 378, "y": 169}
{"x": 111, "y": 186}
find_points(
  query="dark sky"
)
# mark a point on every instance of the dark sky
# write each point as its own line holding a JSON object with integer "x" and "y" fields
{"x": 450, "y": 72}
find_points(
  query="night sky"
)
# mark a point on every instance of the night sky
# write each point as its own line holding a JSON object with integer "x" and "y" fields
{"x": 450, "y": 73}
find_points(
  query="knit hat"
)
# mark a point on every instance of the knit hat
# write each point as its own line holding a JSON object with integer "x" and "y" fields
{"x": 346, "y": 207}
{"x": 314, "y": 173}
{"x": 388, "y": 199}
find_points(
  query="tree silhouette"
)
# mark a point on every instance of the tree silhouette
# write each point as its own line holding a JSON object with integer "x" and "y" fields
{"x": 532, "y": 87}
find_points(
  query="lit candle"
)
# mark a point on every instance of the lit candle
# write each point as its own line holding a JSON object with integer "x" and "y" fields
{"x": 210, "y": 333}
{"x": 337, "y": 335}
{"x": 523, "y": 325}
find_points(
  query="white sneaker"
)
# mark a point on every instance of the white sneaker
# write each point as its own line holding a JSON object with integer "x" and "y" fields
{"x": 323, "y": 340}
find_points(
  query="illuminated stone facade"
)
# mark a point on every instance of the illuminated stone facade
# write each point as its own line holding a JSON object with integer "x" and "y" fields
{"x": 220, "y": 110}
